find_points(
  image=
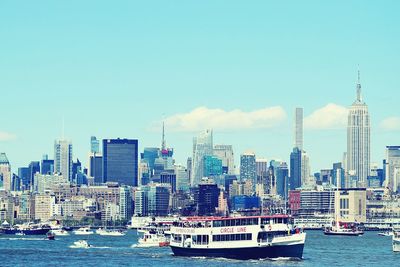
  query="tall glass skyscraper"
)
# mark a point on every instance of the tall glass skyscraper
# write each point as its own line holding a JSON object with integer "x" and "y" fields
{"x": 63, "y": 158}
{"x": 120, "y": 161}
{"x": 202, "y": 146}
{"x": 94, "y": 145}
{"x": 392, "y": 168}
{"x": 5, "y": 172}
{"x": 358, "y": 139}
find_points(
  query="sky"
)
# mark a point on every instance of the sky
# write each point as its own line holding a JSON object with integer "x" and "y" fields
{"x": 118, "y": 68}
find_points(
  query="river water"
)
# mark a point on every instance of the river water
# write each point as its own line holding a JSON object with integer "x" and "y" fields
{"x": 320, "y": 250}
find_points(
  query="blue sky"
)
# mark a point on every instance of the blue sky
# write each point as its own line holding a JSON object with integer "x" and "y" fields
{"x": 117, "y": 68}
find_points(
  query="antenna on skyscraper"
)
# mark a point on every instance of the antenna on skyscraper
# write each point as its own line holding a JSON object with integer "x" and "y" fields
{"x": 359, "y": 98}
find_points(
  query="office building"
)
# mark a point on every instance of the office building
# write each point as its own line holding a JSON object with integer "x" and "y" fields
{"x": 225, "y": 153}
{"x": 212, "y": 166}
{"x": 350, "y": 205}
{"x": 120, "y": 161}
{"x": 248, "y": 169}
{"x": 96, "y": 167}
{"x": 202, "y": 146}
{"x": 358, "y": 139}
{"x": 392, "y": 168}
{"x": 208, "y": 199}
{"x": 5, "y": 172}
{"x": 295, "y": 169}
{"x": 47, "y": 165}
{"x": 94, "y": 145}
{"x": 298, "y": 142}
{"x": 63, "y": 158}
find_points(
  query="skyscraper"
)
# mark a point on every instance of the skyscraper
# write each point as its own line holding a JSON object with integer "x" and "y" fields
{"x": 295, "y": 169}
{"x": 94, "y": 145}
{"x": 5, "y": 172}
{"x": 392, "y": 171}
{"x": 225, "y": 153}
{"x": 202, "y": 146}
{"x": 47, "y": 165}
{"x": 358, "y": 139}
{"x": 63, "y": 158}
{"x": 120, "y": 161}
{"x": 248, "y": 169}
{"x": 298, "y": 142}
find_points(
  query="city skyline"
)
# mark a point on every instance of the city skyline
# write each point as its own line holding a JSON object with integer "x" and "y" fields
{"x": 249, "y": 70}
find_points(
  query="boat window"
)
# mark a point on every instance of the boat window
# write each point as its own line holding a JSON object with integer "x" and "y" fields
{"x": 232, "y": 237}
{"x": 265, "y": 220}
{"x": 217, "y": 223}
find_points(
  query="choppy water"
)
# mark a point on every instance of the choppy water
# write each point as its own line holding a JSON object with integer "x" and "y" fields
{"x": 320, "y": 250}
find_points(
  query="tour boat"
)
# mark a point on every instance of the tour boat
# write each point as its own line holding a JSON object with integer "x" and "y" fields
{"x": 25, "y": 229}
{"x": 244, "y": 238}
{"x": 83, "y": 231}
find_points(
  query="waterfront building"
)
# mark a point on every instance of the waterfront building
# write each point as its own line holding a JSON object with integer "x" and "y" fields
{"x": 202, "y": 146}
{"x": 5, "y": 172}
{"x": 125, "y": 203}
{"x": 120, "y": 161}
{"x": 350, "y": 205}
{"x": 392, "y": 168}
{"x": 225, "y": 153}
{"x": 44, "y": 204}
{"x": 358, "y": 139}
{"x": 63, "y": 158}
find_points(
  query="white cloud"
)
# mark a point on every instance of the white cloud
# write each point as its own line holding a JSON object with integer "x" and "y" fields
{"x": 4, "y": 136}
{"x": 391, "y": 124}
{"x": 204, "y": 118}
{"x": 331, "y": 116}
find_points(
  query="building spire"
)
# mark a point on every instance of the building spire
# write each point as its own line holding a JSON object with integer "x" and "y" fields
{"x": 359, "y": 97}
{"x": 163, "y": 145}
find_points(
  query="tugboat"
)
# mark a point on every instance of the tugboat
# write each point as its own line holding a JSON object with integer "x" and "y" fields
{"x": 243, "y": 238}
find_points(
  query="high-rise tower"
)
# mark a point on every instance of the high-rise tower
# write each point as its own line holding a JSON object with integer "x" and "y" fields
{"x": 298, "y": 135}
{"x": 63, "y": 158}
{"x": 358, "y": 139}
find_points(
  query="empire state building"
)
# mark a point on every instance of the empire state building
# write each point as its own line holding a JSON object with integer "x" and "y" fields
{"x": 358, "y": 140}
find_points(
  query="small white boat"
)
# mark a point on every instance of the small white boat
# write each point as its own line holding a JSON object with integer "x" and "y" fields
{"x": 152, "y": 239}
{"x": 59, "y": 232}
{"x": 106, "y": 232}
{"x": 83, "y": 231}
{"x": 80, "y": 244}
{"x": 396, "y": 241}
{"x": 387, "y": 233}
